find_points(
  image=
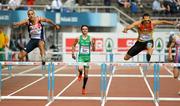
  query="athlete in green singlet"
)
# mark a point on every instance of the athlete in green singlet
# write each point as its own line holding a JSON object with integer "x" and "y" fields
{"x": 85, "y": 43}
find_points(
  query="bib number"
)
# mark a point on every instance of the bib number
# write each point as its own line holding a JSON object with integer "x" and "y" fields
{"x": 145, "y": 37}
{"x": 84, "y": 50}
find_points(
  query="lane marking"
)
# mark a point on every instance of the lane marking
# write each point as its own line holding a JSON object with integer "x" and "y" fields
{"x": 148, "y": 85}
{"x": 29, "y": 70}
{"x": 168, "y": 70}
{"x": 88, "y": 98}
{"x": 50, "y": 102}
{"x": 34, "y": 82}
{"x": 108, "y": 86}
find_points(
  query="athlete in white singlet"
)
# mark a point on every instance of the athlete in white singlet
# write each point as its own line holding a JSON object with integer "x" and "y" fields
{"x": 36, "y": 34}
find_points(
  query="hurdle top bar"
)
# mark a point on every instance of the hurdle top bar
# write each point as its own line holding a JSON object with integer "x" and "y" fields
{"x": 15, "y": 63}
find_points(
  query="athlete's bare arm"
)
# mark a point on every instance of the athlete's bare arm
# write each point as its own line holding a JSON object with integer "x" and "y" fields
{"x": 93, "y": 44}
{"x": 136, "y": 23}
{"x": 24, "y": 22}
{"x": 74, "y": 47}
{"x": 158, "y": 22}
{"x": 49, "y": 21}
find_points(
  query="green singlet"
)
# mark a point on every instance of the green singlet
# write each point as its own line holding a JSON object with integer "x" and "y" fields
{"x": 84, "y": 49}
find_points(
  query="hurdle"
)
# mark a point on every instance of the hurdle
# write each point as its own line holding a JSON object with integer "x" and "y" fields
{"x": 103, "y": 85}
{"x": 50, "y": 80}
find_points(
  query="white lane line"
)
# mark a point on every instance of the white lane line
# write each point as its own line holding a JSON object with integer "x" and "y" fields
{"x": 25, "y": 97}
{"x": 26, "y": 86}
{"x": 33, "y": 82}
{"x": 31, "y": 69}
{"x": 108, "y": 86}
{"x": 77, "y": 98}
{"x": 61, "y": 92}
{"x": 169, "y": 70}
{"x": 88, "y": 98}
{"x": 148, "y": 85}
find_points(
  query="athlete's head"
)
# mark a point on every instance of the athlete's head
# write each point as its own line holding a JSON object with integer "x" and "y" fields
{"x": 172, "y": 34}
{"x": 31, "y": 14}
{"x": 146, "y": 19}
{"x": 84, "y": 29}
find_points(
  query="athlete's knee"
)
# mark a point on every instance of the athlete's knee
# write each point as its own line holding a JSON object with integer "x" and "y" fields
{"x": 176, "y": 73}
{"x": 127, "y": 57}
{"x": 81, "y": 68}
{"x": 86, "y": 76}
{"x": 21, "y": 55}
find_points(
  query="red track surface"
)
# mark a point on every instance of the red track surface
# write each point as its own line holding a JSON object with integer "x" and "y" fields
{"x": 120, "y": 86}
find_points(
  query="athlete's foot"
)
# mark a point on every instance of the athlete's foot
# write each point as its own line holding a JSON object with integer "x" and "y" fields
{"x": 84, "y": 91}
{"x": 43, "y": 61}
{"x": 79, "y": 77}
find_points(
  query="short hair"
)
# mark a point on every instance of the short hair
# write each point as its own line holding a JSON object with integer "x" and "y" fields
{"x": 31, "y": 10}
{"x": 145, "y": 14}
{"x": 84, "y": 26}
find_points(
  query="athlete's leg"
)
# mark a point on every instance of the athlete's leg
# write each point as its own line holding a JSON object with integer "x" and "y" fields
{"x": 134, "y": 50}
{"x": 86, "y": 70}
{"x": 176, "y": 72}
{"x": 42, "y": 51}
{"x": 149, "y": 50}
{"x": 80, "y": 69}
{"x": 149, "y": 53}
{"x": 127, "y": 57}
{"x": 21, "y": 55}
{"x": 29, "y": 47}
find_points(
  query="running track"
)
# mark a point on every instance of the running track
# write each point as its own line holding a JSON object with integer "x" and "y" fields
{"x": 126, "y": 87}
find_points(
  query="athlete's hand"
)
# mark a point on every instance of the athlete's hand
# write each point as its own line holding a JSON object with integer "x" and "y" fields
{"x": 125, "y": 30}
{"x": 57, "y": 26}
{"x": 73, "y": 56}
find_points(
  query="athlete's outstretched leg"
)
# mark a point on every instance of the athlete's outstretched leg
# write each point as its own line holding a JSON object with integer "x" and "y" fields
{"x": 127, "y": 57}
{"x": 176, "y": 72}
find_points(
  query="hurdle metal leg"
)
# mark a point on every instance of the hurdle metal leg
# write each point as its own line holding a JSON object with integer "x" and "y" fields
{"x": 10, "y": 66}
{"x": 156, "y": 82}
{"x": 49, "y": 82}
{"x": 103, "y": 81}
{"x": 53, "y": 79}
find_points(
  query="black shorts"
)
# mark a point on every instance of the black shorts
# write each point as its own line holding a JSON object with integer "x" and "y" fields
{"x": 32, "y": 44}
{"x": 140, "y": 46}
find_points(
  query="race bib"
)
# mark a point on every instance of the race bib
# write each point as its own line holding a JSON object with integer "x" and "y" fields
{"x": 145, "y": 37}
{"x": 35, "y": 29}
{"x": 84, "y": 50}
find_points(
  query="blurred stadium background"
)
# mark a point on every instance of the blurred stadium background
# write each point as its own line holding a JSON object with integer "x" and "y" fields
{"x": 105, "y": 18}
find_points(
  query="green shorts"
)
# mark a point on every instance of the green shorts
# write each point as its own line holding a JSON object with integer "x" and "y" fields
{"x": 85, "y": 60}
